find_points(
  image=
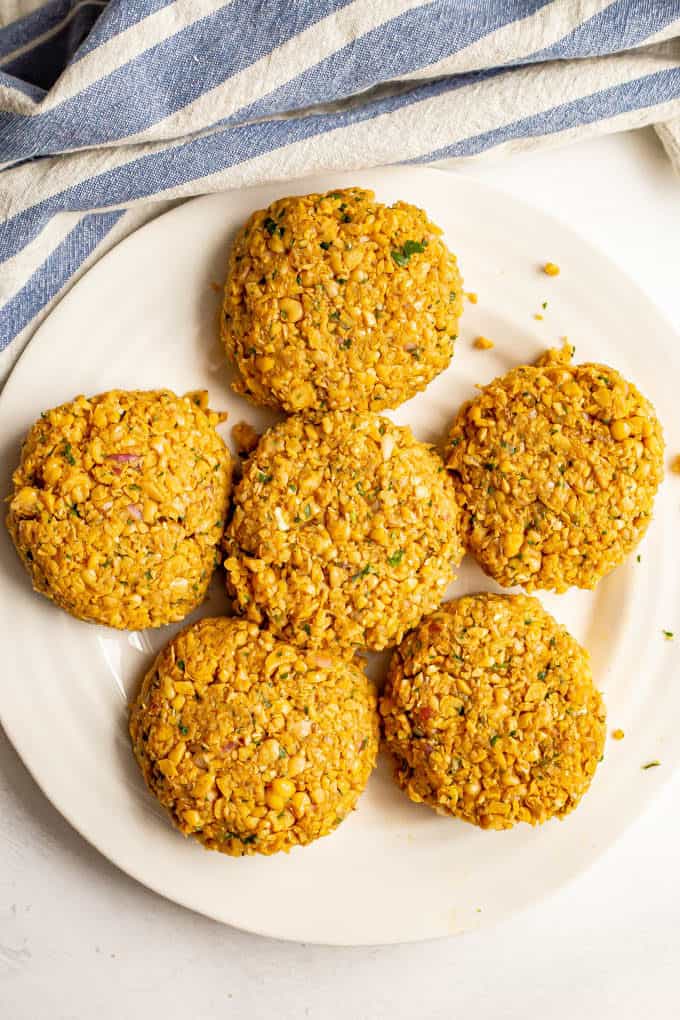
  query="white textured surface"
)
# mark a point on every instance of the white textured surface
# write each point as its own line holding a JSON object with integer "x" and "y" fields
{"x": 80, "y": 940}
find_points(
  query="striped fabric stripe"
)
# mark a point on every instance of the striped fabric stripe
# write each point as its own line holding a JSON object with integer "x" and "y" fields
{"x": 118, "y": 18}
{"x": 629, "y": 24}
{"x": 28, "y": 31}
{"x": 108, "y": 106}
{"x": 59, "y": 265}
{"x": 608, "y": 103}
{"x": 144, "y": 90}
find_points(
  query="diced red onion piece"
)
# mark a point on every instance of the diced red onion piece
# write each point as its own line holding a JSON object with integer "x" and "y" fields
{"x": 124, "y": 458}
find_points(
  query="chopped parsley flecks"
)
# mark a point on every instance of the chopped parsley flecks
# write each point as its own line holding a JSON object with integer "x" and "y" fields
{"x": 402, "y": 256}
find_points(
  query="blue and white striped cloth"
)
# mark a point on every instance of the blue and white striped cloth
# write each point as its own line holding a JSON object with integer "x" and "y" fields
{"x": 112, "y": 111}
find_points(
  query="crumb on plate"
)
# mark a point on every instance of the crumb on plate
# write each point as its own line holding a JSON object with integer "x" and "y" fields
{"x": 245, "y": 438}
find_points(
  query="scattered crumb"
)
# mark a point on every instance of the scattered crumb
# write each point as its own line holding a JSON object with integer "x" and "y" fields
{"x": 537, "y": 315}
{"x": 675, "y": 464}
{"x": 245, "y": 437}
{"x": 551, "y": 269}
{"x": 217, "y": 287}
{"x": 651, "y": 765}
{"x": 482, "y": 343}
{"x": 668, "y": 634}
{"x": 618, "y": 734}
{"x": 472, "y": 297}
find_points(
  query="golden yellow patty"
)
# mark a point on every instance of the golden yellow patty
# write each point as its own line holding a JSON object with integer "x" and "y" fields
{"x": 118, "y": 504}
{"x": 252, "y": 745}
{"x": 336, "y": 301}
{"x": 344, "y": 532}
{"x": 491, "y": 714}
{"x": 556, "y": 467}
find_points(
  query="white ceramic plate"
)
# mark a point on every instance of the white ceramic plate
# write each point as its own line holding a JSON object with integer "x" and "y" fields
{"x": 145, "y": 317}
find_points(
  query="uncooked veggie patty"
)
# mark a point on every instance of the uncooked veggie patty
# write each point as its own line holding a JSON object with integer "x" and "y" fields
{"x": 118, "y": 504}
{"x": 555, "y": 467}
{"x": 344, "y": 532}
{"x": 337, "y": 301}
{"x": 491, "y": 714}
{"x": 252, "y": 745}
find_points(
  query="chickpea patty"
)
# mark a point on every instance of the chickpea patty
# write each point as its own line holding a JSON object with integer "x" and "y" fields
{"x": 556, "y": 467}
{"x": 252, "y": 745}
{"x": 336, "y": 301}
{"x": 491, "y": 714}
{"x": 344, "y": 532}
{"x": 118, "y": 504}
